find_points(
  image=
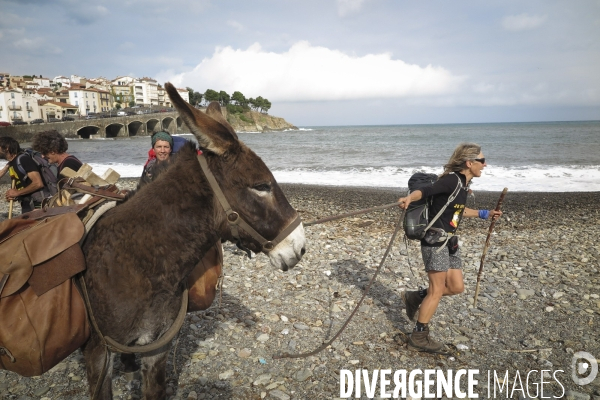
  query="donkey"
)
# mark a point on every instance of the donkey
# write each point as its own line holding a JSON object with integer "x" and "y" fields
{"x": 139, "y": 253}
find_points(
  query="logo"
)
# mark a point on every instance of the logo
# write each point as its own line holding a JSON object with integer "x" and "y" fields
{"x": 584, "y": 367}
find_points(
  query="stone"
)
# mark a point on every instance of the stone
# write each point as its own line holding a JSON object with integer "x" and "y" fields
{"x": 226, "y": 375}
{"x": 202, "y": 380}
{"x": 301, "y": 326}
{"x": 262, "y": 337}
{"x": 278, "y": 394}
{"x": 262, "y": 380}
{"x": 41, "y": 391}
{"x": 302, "y": 374}
{"x": 573, "y": 395}
{"x": 525, "y": 293}
{"x": 244, "y": 353}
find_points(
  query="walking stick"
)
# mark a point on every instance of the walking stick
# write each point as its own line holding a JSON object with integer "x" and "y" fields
{"x": 12, "y": 201}
{"x": 487, "y": 244}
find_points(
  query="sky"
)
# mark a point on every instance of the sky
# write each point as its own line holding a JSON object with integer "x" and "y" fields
{"x": 330, "y": 62}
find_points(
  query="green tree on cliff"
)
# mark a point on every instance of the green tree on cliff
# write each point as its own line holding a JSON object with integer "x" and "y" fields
{"x": 211, "y": 95}
{"x": 239, "y": 99}
{"x": 195, "y": 97}
{"x": 224, "y": 98}
{"x": 266, "y": 106}
{"x": 259, "y": 103}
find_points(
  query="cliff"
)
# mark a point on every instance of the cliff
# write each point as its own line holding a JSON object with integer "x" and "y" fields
{"x": 253, "y": 121}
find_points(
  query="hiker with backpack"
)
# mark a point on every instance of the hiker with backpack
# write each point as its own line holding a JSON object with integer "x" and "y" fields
{"x": 29, "y": 186}
{"x": 439, "y": 247}
{"x": 164, "y": 146}
{"x": 53, "y": 147}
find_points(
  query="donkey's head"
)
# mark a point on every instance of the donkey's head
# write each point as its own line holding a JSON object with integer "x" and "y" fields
{"x": 255, "y": 200}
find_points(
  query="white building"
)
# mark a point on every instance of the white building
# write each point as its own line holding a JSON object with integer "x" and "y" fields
{"x": 79, "y": 80}
{"x": 145, "y": 92}
{"x": 55, "y": 109}
{"x": 32, "y": 85}
{"x": 16, "y": 106}
{"x": 122, "y": 81}
{"x": 42, "y": 82}
{"x": 62, "y": 81}
{"x": 184, "y": 94}
{"x": 86, "y": 100}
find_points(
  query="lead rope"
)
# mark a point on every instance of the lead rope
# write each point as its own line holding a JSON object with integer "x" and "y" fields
{"x": 328, "y": 343}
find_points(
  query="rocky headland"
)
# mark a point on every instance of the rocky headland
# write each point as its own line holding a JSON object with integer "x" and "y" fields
{"x": 253, "y": 121}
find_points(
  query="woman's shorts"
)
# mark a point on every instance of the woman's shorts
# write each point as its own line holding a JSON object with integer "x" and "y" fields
{"x": 441, "y": 260}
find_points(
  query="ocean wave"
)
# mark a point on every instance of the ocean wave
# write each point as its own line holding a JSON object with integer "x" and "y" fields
{"x": 534, "y": 179}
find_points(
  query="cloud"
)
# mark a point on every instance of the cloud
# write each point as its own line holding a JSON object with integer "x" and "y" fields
{"x": 235, "y": 25}
{"x": 38, "y": 2}
{"x": 308, "y": 73}
{"x": 36, "y": 45}
{"x": 347, "y": 7}
{"x": 86, "y": 14}
{"x": 522, "y": 22}
{"x": 127, "y": 46}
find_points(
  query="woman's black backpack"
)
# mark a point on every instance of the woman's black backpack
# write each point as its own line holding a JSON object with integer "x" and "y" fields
{"x": 416, "y": 218}
{"x": 49, "y": 173}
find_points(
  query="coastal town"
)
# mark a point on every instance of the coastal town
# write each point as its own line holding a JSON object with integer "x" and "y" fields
{"x": 32, "y": 99}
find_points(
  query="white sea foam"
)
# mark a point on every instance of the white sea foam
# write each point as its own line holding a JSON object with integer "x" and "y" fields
{"x": 536, "y": 179}
{"x": 125, "y": 170}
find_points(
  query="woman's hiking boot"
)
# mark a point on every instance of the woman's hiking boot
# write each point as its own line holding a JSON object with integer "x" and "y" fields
{"x": 412, "y": 301}
{"x": 420, "y": 341}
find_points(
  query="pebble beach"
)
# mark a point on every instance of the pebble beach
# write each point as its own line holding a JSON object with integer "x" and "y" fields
{"x": 539, "y": 304}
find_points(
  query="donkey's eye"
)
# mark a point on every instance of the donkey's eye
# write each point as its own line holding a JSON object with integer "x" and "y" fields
{"x": 262, "y": 187}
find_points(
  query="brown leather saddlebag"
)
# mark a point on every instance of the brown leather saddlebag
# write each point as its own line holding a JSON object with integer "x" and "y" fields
{"x": 42, "y": 315}
{"x": 202, "y": 281}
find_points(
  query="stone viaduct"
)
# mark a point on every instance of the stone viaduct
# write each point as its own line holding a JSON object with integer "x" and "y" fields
{"x": 131, "y": 125}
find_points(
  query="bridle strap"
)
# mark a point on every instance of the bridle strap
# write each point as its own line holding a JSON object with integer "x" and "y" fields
{"x": 236, "y": 221}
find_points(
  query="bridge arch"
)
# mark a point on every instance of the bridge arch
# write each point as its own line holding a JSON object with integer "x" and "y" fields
{"x": 136, "y": 128}
{"x": 169, "y": 125}
{"x": 88, "y": 131}
{"x": 153, "y": 125}
{"x": 116, "y": 129}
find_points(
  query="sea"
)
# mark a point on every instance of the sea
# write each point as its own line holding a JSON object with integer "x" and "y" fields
{"x": 533, "y": 156}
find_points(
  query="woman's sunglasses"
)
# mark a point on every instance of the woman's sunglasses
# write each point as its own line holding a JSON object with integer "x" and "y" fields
{"x": 481, "y": 160}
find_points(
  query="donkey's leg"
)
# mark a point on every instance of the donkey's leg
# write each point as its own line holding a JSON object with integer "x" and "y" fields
{"x": 129, "y": 362}
{"x": 95, "y": 356}
{"x": 154, "y": 374}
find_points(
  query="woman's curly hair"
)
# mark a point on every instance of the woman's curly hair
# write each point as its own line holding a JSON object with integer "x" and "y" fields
{"x": 49, "y": 142}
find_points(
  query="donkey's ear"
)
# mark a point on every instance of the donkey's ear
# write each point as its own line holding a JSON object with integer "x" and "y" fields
{"x": 214, "y": 111}
{"x": 212, "y": 134}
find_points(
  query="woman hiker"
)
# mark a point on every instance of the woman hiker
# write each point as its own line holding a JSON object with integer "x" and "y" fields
{"x": 163, "y": 152}
{"x": 159, "y": 155}
{"x": 442, "y": 259}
